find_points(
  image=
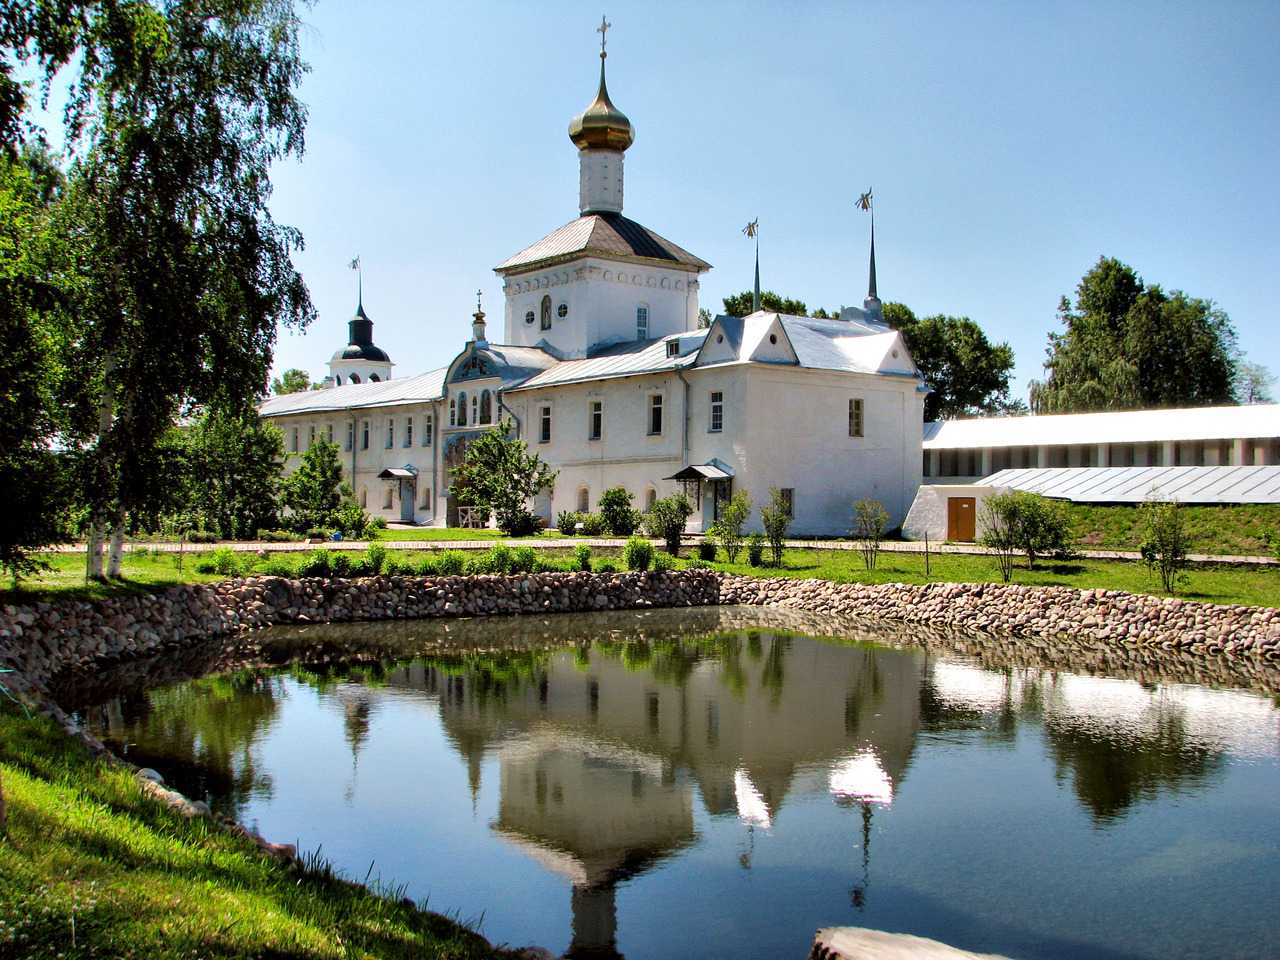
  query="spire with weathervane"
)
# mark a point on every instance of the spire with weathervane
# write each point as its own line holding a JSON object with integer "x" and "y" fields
{"x": 602, "y": 133}
{"x": 871, "y": 304}
{"x": 752, "y": 230}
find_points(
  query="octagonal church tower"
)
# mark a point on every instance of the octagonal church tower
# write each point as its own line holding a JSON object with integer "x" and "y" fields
{"x": 601, "y": 279}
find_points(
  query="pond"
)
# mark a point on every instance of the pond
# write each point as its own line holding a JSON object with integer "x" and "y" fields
{"x": 714, "y": 782}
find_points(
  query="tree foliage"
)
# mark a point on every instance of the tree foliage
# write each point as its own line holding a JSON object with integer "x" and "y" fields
{"x": 969, "y": 375}
{"x": 1253, "y": 383}
{"x": 314, "y": 491}
{"x": 775, "y": 517}
{"x": 616, "y": 512}
{"x": 870, "y": 519}
{"x": 235, "y": 463}
{"x": 1164, "y": 548}
{"x": 500, "y": 474}
{"x": 727, "y": 531}
{"x": 740, "y": 304}
{"x": 292, "y": 380}
{"x": 666, "y": 520}
{"x": 1125, "y": 345}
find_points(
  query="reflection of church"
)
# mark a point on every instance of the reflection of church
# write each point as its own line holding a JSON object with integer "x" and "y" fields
{"x": 599, "y": 762}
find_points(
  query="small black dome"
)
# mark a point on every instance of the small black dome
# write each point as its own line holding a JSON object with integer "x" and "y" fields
{"x": 359, "y": 351}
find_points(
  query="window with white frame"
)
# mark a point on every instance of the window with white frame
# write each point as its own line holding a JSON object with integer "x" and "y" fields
{"x": 655, "y": 414}
{"x": 717, "y": 411}
{"x": 642, "y": 322}
{"x": 855, "y": 417}
{"x": 428, "y": 429}
{"x": 596, "y": 429}
{"x": 391, "y": 432}
{"x": 673, "y": 348}
{"x": 364, "y": 435}
{"x": 544, "y": 423}
{"x": 351, "y": 435}
{"x": 408, "y": 431}
{"x": 788, "y": 497}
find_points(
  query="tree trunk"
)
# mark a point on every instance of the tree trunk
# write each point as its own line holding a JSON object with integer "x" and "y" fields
{"x": 116, "y": 554}
{"x": 93, "y": 560}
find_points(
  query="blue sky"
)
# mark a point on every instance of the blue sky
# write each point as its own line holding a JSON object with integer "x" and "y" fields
{"x": 1008, "y": 145}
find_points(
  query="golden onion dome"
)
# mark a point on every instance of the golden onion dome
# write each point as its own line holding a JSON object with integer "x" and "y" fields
{"x": 601, "y": 126}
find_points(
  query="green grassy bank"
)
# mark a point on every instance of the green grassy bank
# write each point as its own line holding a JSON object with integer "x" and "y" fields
{"x": 1238, "y": 529}
{"x": 91, "y": 867}
{"x": 1209, "y": 583}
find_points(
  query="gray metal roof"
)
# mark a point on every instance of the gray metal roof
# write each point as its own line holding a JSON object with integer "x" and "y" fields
{"x": 424, "y": 387}
{"x": 1135, "y": 484}
{"x": 622, "y": 360}
{"x": 609, "y": 235}
{"x": 1121, "y": 426}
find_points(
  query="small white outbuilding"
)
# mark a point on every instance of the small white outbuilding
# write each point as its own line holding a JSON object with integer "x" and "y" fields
{"x": 948, "y": 511}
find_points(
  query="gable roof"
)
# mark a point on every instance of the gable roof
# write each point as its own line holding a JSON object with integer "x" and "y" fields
{"x": 857, "y": 346}
{"x": 609, "y": 235}
{"x": 621, "y": 360}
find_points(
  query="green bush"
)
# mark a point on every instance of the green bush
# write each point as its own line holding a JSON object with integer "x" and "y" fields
{"x": 582, "y": 557}
{"x": 698, "y": 565}
{"x": 666, "y": 520}
{"x": 727, "y": 531}
{"x": 317, "y": 563}
{"x": 277, "y": 567}
{"x": 397, "y": 567}
{"x": 616, "y": 513}
{"x": 567, "y": 522}
{"x": 1165, "y": 546}
{"x": 497, "y": 559}
{"x": 662, "y": 562}
{"x": 375, "y": 558}
{"x": 201, "y": 536}
{"x": 352, "y": 520}
{"x": 551, "y": 565}
{"x": 706, "y": 551}
{"x": 377, "y": 523}
{"x": 340, "y": 564}
{"x": 776, "y": 519}
{"x": 869, "y": 522}
{"x": 275, "y": 536}
{"x": 638, "y": 554}
{"x": 360, "y": 567}
{"x": 523, "y": 560}
{"x": 755, "y": 549}
{"x": 427, "y": 566}
{"x": 606, "y": 566}
{"x": 225, "y": 562}
{"x": 450, "y": 563}
{"x": 592, "y": 525}
{"x": 317, "y": 533}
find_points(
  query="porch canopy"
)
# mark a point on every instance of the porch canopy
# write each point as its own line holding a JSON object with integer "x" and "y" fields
{"x": 701, "y": 471}
{"x": 397, "y": 473}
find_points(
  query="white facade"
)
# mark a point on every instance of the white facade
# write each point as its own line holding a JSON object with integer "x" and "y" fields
{"x": 927, "y": 518}
{"x": 604, "y": 373}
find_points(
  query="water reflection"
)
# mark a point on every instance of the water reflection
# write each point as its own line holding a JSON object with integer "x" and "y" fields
{"x": 663, "y": 739}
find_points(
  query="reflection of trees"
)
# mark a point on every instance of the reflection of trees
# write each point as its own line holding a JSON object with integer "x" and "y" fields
{"x": 201, "y": 735}
{"x": 1111, "y": 771}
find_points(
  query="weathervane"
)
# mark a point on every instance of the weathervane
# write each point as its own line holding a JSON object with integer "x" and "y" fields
{"x": 355, "y": 265}
{"x": 603, "y": 30}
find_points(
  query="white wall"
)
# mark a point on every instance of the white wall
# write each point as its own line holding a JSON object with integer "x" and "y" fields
{"x": 601, "y": 297}
{"x": 928, "y": 513}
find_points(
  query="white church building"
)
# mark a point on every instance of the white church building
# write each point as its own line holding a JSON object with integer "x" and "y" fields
{"x": 602, "y": 370}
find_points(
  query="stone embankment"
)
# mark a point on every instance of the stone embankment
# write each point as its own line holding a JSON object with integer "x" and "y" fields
{"x": 41, "y": 640}
{"x": 1110, "y": 617}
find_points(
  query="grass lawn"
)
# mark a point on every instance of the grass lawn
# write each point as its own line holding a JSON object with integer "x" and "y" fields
{"x": 91, "y": 867}
{"x": 1212, "y": 584}
{"x": 1239, "y": 529}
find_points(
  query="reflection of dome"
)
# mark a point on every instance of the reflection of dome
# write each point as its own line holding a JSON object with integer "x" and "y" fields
{"x": 601, "y": 125}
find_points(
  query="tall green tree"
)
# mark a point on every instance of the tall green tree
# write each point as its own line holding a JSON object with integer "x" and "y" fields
{"x": 313, "y": 492}
{"x": 235, "y": 461}
{"x": 33, "y": 478}
{"x": 1126, "y": 345}
{"x": 740, "y": 304}
{"x": 1253, "y": 382}
{"x": 292, "y": 380}
{"x": 182, "y": 274}
{"x": 500, "y": 474}
{"x": 968, "y": 374}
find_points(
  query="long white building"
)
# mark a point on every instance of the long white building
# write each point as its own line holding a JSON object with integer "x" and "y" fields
{"x": 601, "y": 368}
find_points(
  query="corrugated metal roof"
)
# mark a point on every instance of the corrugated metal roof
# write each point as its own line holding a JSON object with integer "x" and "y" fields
{"x": 606, "y": 234}
{"x": 623, "y": 360}
{"x": 856, "y": 347}
{"x": 1135, "y": 484}
{"x": 426, "y": 386}
{"x": 1130, "y": 426}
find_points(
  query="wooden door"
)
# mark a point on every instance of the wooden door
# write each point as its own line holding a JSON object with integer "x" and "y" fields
{"x": 961, "y": 519}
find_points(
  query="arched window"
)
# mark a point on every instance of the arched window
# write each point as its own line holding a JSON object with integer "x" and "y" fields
{"x": 355, "y": 378}
{"x": 453, "y": 411}
{"x": 374, "y": 378}
{"x": 462, "y": 409}
{"x": 337, "y": 380}
{"x": 475, "y": 409}
{"x": 650, "y": 498}
{"x": 486, "y": 407}
{"x": 584, "y": 500}
{"x": 546, "y": 312}
{"x": 642, "y": 322}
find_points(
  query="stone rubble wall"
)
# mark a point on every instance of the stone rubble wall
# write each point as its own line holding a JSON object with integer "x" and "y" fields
{"x": 1107, "y": 617}
{"x": 40, "y": 640}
